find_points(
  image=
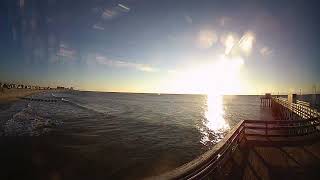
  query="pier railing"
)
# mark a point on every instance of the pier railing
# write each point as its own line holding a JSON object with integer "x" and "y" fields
{"x": 281, "y": 128}
{"x": 301, "y": 109}
{"x": 299, "y": 123}
{"x": 246, "y": 132}
{"x": 208, "y": 162}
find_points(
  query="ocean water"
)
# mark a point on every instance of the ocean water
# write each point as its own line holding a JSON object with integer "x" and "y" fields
{"x": 95, "y": 135}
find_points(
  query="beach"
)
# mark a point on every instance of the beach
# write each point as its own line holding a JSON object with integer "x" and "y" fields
{"x": 9, "y": 95}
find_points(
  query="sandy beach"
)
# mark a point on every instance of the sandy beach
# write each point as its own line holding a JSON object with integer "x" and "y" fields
{"x": 9, "y": 95}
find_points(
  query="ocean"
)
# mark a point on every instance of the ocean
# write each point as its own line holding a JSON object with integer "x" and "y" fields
{"x": 98, "y": 135}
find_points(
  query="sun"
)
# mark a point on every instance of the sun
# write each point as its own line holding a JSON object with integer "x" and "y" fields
{"x": 222, "y": 75}
{"x": 219, "y": 77}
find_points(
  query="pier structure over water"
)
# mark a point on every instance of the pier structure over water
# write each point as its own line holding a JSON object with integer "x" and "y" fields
{"x": 266, "y": 100}
{"x": 285, "y": 148}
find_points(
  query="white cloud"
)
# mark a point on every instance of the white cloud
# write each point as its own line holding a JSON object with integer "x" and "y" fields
{"x": 102, "y": 60}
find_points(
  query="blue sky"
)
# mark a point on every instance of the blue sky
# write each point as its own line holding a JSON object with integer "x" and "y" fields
{"x": 153, "y": 46}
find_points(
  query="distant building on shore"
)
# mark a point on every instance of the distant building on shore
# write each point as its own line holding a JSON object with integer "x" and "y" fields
{"x": 12, "y": 86}
{"x": 33, "y": 87}
{"x": 5, "y": 86}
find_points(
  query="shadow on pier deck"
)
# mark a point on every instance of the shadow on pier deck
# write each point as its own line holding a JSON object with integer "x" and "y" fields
{"x": 272, "y": 162}
{"x": 263, "y": 149}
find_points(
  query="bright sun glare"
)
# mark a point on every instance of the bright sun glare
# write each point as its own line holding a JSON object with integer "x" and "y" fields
{"x": 219, "y": 78}
{"x": 222, "y": 76}
{"x": 216, "y": 79}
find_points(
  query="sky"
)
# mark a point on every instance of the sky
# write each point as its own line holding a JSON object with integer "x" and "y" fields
{"x": 149, "y": 46}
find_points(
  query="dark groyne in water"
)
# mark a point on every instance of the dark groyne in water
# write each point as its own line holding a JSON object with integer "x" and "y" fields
{"x": 39, "y": 99}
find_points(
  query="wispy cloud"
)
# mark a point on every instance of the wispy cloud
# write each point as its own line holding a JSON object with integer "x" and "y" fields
{"x": 67, "y": 52}
{"x": 109, "y": 14}
{"x": 98, "y": 27}
{"x": 102, "y": 60}
{"x": 113, "y": 12}
{"x": 125, "y": 8}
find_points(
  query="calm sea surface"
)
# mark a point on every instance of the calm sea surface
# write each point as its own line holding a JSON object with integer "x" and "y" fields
{"x": 92, "y": 135}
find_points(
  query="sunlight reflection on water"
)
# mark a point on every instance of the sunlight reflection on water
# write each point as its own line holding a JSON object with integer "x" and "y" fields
{"x": 214, "y": 125}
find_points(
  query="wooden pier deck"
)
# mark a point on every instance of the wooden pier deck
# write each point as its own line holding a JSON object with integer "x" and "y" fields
{"x": 286, "y": 148}
{"x": 301, "y": 161}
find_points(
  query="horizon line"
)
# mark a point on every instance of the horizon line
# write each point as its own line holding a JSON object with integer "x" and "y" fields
{"x": 159, "y": 93}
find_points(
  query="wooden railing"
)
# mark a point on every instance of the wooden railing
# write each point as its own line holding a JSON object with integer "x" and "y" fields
{"x": 205, "y": 164}
{"x": 301, "y": 108}
{"x": 246, "y": 131}
{"x": 281, "y": 128}
{"x": 254, "y": 132}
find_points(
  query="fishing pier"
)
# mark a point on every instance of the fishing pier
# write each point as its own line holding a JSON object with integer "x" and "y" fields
{"x": 285, "y": 148}
{"x": 266, "y": 101}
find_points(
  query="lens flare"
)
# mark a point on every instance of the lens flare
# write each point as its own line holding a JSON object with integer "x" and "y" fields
{"x": 229, "y": 43}
{"x": 206, "y": 38}
{"x": 246, "y": 43}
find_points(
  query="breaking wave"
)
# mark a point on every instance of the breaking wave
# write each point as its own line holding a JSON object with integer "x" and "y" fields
{"x": 28, "y": 123}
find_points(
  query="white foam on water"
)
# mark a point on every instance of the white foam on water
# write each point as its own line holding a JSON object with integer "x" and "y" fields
{"x": 28, "y": 123}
